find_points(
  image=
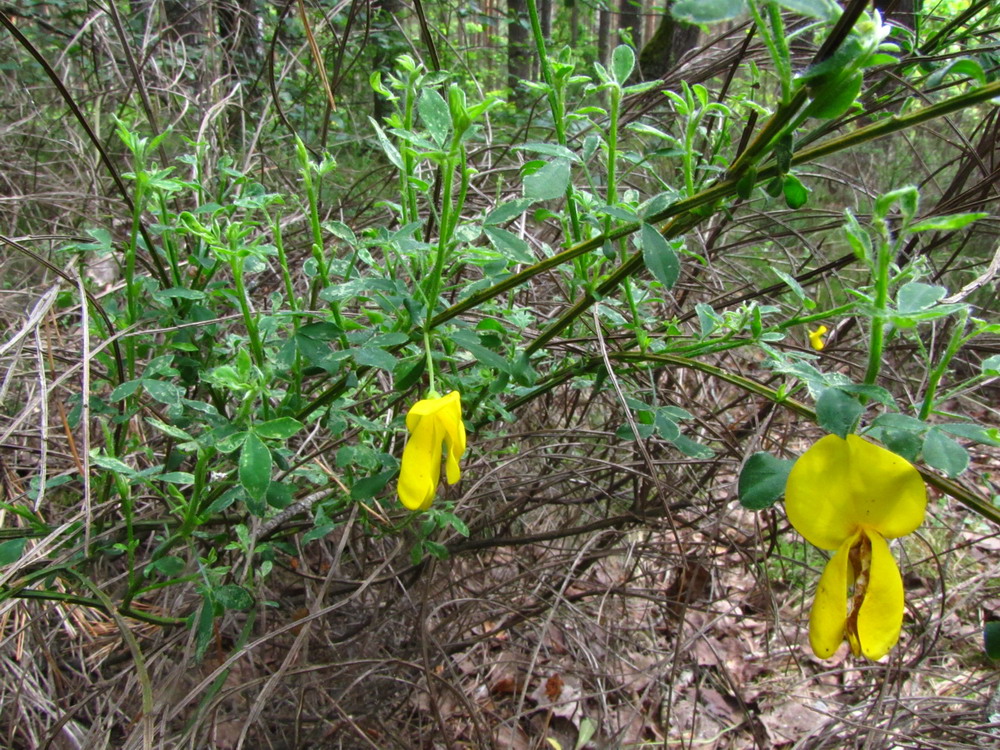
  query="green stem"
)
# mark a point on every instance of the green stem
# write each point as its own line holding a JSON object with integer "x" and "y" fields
{"x": 444, "y": 240}
{"x": 557, "y": 105}
{"x": 881, "y": 302}
{"x": 958, "y": 338}
{"x": 286, "y": 275}
{"x": 256, "y": 348}
{"x": 430, "y": 363}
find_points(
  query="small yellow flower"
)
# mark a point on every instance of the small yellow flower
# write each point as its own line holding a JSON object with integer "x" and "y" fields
{"x": 431, "y": 422}
{"x": 850, "y": 496}
{"x": 816, "y": 338}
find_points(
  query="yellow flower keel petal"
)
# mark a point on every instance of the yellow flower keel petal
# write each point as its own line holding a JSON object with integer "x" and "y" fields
{"x": 431, "y": 422}
{"x": 828, "y": 617}
{"x": 880, "y": 617}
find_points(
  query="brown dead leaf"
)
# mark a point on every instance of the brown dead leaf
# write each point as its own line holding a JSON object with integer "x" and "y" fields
{"x": 553, "y": 687}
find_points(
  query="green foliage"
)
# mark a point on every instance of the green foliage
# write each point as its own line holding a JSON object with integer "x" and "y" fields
{"x": 762, "y": 480}
{"x": 281, "y": 304}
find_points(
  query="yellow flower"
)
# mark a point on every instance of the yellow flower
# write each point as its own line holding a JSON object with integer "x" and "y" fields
{"x": 816, "y": 338}
{"x": 431, "y": 422}
{"x": 850, "y": 496}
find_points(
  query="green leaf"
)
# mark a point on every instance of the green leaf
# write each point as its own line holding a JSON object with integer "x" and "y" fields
{"x": 946, "y": 223}
{"x": 666, "y": 427}
{"x": 898, "y": 421}
{"x": 175, "y": 477}
{"x": 162, "y": 391}
{"x": 659, "y": 256}
{"x": 522, "y": 371}
{"x": 391, "y": 152}
{"x": 374, "y": 357}
{"x": 371, "y": 486}
{"x": 278, "y": 429}
{"x": 509, "y": 245}
{"x": 707, "y": 11}
{"x": 796, "y": 288}
{"x": 991, "y": 639}
{"x": 824, "y": 10}
{"x": 280, "y": 495}
{"x": 834, "y": 98}
{"x": 746, "y": 183}
{"x": 112, "y": 464}
{"x": 625, "y": 432}
{"x": 471, "y": 342}
{"x": 341, "y": 230}
{"x": 944, "y": 454}
{"x": 170, "y": 566}
{"x": 622, "y": 63}
{"x": 915, "y": 296}
{"x": 692, "y": 448}
{"x": 233, "y": 597}
{"x": 796, "y": 194}
{"x": 507, "y": 211}
{"x": 320, "y": 331}
{"x": 436, "y": 115}
{"x": 549, "y": 149}
{"x": 872, "y": 392}
{"x": 903, "y": 442}
{"x": 168, "y": 429}
{"x": 408, "y": 372}
{"x": 11, "y": 551}
{"x": 964, "y": 66}
{"x": 974, "y": 432}
{"x": 549, "y": 182}
{"x": 204, "y": 627}
{"x": 178, "y": 292}
{"x": 255, "y": 467}
{"x": 762, "y": 480}
{"x": 837, "y": 412}
{"x": 991, "y": 365}
{"x": 125, "y": 390}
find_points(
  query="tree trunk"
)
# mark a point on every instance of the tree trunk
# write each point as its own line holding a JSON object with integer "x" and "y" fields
{"x": 603, "y": 35}
{"x": 629, "y": 20}
{"x": 518, "y": 49}
{"x": 545, "y": 18}
{"x": 672, "y": 39}
{"x": 900, "y": 12}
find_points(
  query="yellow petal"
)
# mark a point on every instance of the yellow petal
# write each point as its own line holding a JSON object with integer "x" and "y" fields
{"x": 828, "y": 618}
{"x": 880, "y": 617}
{"x": 816, "y": 338}
{"x": 421, "y": 465}
{"x": 838, "y": 486}
{"x": 454, "y": 435}
{"x": 889, "y": 495}
{"x": 818, "y": 495}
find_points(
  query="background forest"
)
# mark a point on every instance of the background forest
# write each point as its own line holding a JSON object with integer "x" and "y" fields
{"x": 658, "y": 251}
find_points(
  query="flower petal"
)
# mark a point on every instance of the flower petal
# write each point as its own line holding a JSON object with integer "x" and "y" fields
{"x": 816, "y": 338}
{"x": 888, "y": 493}
{"x": 828, "y": 618}
{"x": 421, "y": 465}
{"x": 838, "y": 486}
{"x": 454, "y": 435}
{"x": 880, "y": 617}
{"x": 819, "y": 494}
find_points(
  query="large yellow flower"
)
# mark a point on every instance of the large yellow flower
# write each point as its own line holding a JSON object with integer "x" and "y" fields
{"x": 850, "y": 496}
{"x": 431, "y": 422}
